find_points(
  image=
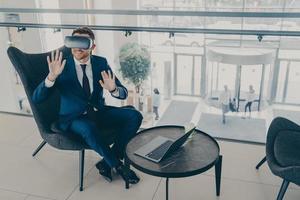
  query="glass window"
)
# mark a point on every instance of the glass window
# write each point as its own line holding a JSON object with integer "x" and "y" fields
{"x": 51, "y": 38}
{"x": 161, "y": 71}
{"x": 220, "y": 74}
{"x": 250, "y": 75}
{"x": 291, "y": 25}
{"x": 289, "y": 54}
{"x": 262, "y": 24}
{"x": 184, "y": 74}
{"x": 267, "y": 82}
{"x": 189, "y": 4}
{"x": 281, "y": 81}
{"x": 226, "y": 76}
{"x": 293, "y": 95}
{"x": 197, "y": 74}
{"x": 264, "y": 5}
{"x": 292, "y": 4}
{"x": 221, "y": 4}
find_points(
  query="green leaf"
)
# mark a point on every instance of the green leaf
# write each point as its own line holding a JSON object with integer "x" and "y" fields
{"x": 135, "y": 63}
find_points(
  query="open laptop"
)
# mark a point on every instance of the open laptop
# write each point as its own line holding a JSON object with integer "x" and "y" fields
{"x": 158, "y": 148}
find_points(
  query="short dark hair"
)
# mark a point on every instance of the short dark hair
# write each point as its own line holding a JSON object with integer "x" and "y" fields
{"x": 84, "y": 30}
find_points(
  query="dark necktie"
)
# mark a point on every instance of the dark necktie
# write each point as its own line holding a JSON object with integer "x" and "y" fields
{"x": 85, "y": 81}
{"x": 87, "y": 89}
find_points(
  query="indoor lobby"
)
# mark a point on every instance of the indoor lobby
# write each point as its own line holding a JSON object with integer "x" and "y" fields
{"x": 229, "y": 67}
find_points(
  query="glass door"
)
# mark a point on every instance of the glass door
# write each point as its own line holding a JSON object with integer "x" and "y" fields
{"x": 238, "y": 79}
{"x": 187, "y": 74}
{"x": 221, "y": 74}
{"x": 251, "y": 75}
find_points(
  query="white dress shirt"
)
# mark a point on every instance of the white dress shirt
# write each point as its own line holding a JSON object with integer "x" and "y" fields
{"x": 250, "y": 97}
{"x": 88, "y": 71}
{"x": 156, "y": 100}
{"x": 224, "y": 97}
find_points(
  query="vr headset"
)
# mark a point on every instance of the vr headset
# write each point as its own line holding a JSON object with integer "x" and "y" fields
{"x": 78, "y": 42}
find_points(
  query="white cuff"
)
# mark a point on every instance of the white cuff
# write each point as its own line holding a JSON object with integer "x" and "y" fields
{"x": 116, "y": 93}
{"x": 49, "y": 83}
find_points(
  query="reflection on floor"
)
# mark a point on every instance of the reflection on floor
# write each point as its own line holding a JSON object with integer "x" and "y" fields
{"x": 236, "y": 128}
{"x": 208, "y": 118}
{"x": 53, "y": 174}
{"x": 178, "y": 112}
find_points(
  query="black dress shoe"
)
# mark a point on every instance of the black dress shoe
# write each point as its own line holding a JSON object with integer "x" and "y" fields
{"x": 127, "y": 174}
{"x": 104, "y": 170}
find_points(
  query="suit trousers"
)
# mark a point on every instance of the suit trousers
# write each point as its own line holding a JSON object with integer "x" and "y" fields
{"x": 125, "y": 121}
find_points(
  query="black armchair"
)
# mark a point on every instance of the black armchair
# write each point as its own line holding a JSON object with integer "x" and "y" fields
{"x": 32, "y": 69}
{"x": 283, "y": 152}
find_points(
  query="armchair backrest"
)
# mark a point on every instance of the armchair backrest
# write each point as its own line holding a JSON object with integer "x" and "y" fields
{"x": 33, "y": 69}
{"x": 283, "y": 143}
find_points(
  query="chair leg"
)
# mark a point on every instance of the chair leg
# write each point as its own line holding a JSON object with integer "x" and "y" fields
{"x": 283, "y": 189}
{"x": 39, "y": 148}
{"x": 218, "y": 171}
{"x": 81, "y": 169}
{"x": 261, "y": 162}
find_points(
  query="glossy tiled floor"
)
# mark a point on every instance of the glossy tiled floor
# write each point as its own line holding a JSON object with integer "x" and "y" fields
{"x": 53, "y": 174}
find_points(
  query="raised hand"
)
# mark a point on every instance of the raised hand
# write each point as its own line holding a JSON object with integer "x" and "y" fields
{"x": 55, "y": 64}
{"x": 108, "y": 80}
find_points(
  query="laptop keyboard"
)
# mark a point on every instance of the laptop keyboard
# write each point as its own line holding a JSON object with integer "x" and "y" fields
{"x": 160, "y": 150}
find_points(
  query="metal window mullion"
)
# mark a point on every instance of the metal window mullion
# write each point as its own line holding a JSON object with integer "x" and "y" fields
{"x": 203, "y": 82}
{"x": 193, "y": 75}
{"x": 239, "y": 84}
{"x": 261, "y": 85}
{"x": 217, "y": 79}
{"x": 175, "y": 72}
{"x": 286, "y": 82}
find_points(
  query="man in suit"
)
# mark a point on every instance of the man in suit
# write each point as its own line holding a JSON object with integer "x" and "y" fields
{"x": 81, "y": 79}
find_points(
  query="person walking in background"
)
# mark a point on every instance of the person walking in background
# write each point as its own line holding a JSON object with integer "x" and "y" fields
{"x": 250, "y": 97}
{"x": 224, "y": 100}
{"x": 156, "y": 103}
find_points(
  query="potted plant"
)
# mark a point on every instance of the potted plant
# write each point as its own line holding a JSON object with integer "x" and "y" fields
{"x": 135, "y": 65}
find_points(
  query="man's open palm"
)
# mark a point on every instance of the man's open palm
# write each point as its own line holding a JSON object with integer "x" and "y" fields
{"x": 55, "y": 64}
{"x": 108, "y": 80}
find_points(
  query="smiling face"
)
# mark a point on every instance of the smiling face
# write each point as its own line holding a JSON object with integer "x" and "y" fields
{"x": 82, "y": 55}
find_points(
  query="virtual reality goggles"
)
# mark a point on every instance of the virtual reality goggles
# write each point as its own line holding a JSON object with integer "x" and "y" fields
{"x": 79, "y": 42}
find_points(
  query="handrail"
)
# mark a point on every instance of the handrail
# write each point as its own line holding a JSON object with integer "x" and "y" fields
{"x": 156, "y": 12}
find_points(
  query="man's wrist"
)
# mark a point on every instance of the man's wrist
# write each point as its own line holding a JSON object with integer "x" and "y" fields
{"x": 114, "y": 90}
{"x": 51, "y": 77}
